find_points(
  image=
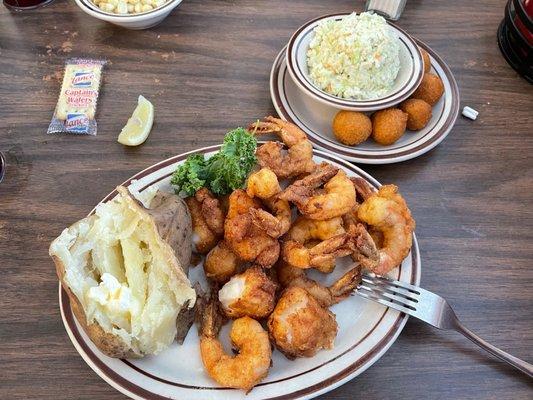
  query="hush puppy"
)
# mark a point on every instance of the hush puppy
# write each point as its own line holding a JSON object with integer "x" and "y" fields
{"x": 351, "y": 127}
{"x": 419, "y": 113}
{"x": 427, "y": 61}
{"x": 388, "y": 125}
{"x": 430, "y": 90}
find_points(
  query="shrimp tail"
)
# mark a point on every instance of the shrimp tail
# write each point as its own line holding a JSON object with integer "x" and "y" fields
{"x": 263, "y": 127}
{"x": 209, "y": 315}
{"x": 346, "y": 284}
{"x": 290, "y": 276}
{"x": 366, "y": 251}
{"x": 278, "y": 222}
{"x": 362, "y": 187}
{"x": 322, "y": 173}
{"x": 266, "y": 221}
{"x": 299, "y": 156}
{"x": 324, "y": 254}
{"x": 288, "y": 133}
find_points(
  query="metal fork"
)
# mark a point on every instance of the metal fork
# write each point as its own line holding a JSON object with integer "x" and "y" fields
{"x": 430, "y": 308}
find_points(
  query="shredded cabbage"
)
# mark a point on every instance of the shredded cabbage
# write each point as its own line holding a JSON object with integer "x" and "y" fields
{"x": 354, "y": 58}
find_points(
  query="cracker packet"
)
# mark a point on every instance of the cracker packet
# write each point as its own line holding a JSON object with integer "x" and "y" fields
{"x": 76, "y": 105}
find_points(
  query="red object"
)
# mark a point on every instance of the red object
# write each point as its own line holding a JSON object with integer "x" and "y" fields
{"x": 528, "y": 35}
{"x": 528, "y": 6}
{"x": 20, "y": 5}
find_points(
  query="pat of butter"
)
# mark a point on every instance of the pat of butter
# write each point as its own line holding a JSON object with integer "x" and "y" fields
{"x": 114, "y": 296}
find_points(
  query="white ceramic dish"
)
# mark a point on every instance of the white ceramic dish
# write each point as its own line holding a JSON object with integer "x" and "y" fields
{"x": 409, "y": 77}
{"x": 366, "y": 331}
{"x": 315, "y": 118}
{"x": 143, "y": 20}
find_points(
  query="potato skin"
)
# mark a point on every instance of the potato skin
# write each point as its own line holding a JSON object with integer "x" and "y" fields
{"x": 430, "y": 90}
{"x": 351, "y": 127}
{"x": 418, "y": 111}
{"x": 427, "y": 61}
{"x": 388, "y": 125}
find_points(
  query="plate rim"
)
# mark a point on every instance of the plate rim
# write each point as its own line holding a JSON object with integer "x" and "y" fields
{"x": 353, "y": 154}
{"x": 329, "y": 383}
{"x": 349, "y": 104}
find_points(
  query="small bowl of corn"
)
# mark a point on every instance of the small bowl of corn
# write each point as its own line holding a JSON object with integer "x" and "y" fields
{"x": 131, "y": 14}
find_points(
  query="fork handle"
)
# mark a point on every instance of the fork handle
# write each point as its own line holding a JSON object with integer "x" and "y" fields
{"x": 523, "y": 366}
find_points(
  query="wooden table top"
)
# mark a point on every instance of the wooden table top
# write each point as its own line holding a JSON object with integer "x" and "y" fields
{"x": 206, "y": 69}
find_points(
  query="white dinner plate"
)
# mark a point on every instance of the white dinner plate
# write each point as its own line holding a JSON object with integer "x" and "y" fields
{"x": 366, "y": 331}
{"x": 315, "y": 118}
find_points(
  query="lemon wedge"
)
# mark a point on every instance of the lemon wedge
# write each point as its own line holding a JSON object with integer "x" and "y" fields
{"x": 139, "y": 125}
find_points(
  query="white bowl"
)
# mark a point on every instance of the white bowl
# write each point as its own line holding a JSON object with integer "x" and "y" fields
{"x": 409, "y": 77}
{"x": 143, "y": 20}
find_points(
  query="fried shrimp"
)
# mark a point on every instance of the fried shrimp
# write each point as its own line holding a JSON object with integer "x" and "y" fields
{"x": 278, "y": 221}
{"x": 207, "y": 220}
{"x": 305, "y": 186}
{"x": 246, "y": 240}
{"x": 321, "y": 256}
{"x": 299, "y": 156}
{"x": 325, "y": 295}
{"x": 304, "y": 229}
{"x": 251, "y": 294}
{"x": 356, "y": 242}
{"x": 332, "y": 243}
{"x": 249, "y": 366}
{"x": 387, "y": 212}
{"x": 211, "y": 209}
{"x": 299, "y": 326}
{"x": 338, "y": 195}
{"x": 221, "y": 263}
{"x": 264, "y": 185}
{"x": 369, "y": 239}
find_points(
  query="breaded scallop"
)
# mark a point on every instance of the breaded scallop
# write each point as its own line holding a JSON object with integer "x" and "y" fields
{"x": 299, "y": 326}
{"x": 430, "y": 90}
{"x": 351, "y": 127}
{"x": 251, "y": 293}
{"x": 419, "y": 113}
{"x": 388, "y": 125}
{"x": 427, "y": 61}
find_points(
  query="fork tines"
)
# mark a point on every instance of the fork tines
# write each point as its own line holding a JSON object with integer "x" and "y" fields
{"x": 391, "y": 293}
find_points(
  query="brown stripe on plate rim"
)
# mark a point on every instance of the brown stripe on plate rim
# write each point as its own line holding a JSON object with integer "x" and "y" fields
{"x": 139, "y": 391}
{"x": 443, "y": 131}
{"x": 335, "y": 99}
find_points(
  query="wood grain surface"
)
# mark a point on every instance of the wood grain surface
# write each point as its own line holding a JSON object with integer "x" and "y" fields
{"x": 206, "y": 70}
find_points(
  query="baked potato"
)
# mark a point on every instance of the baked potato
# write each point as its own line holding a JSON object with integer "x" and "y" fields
{"x": 126, "y": 284}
